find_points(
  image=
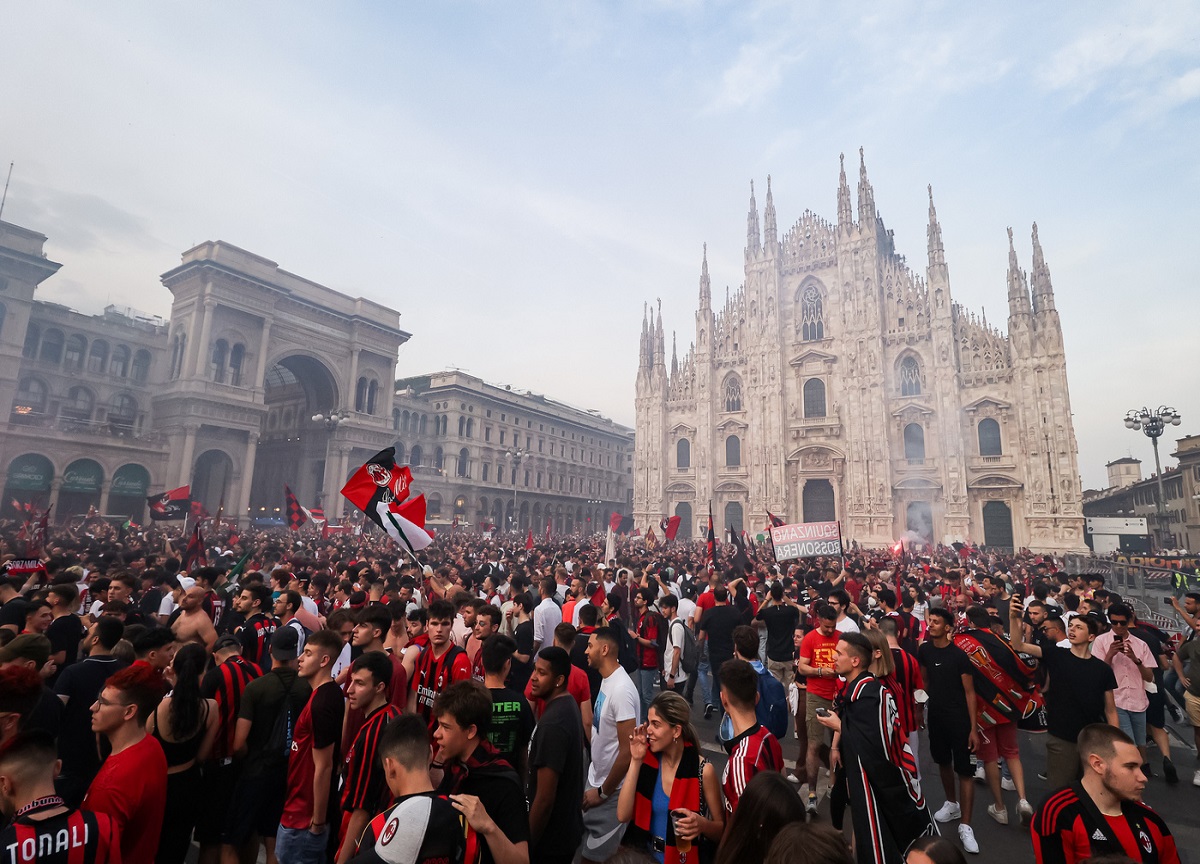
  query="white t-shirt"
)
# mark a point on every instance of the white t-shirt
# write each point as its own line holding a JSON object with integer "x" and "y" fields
{"x": 616, "y": 702}
{"x": 847, "y": 625}
{"x": 675, "y": 639}
{"x": 687, "y": 608}
{"x": 546, "y": 616}
{"x": 166, "y": 606}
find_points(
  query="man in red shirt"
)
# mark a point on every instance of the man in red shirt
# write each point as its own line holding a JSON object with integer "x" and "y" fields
{"x": 131, "y": 786}
{"x": 577, "y": 681}
{"x": 1102, "y": 815}
{"x": 439, "y": 666}
{"x": 817, "y": 653}
{"x": 364, "y": 790}
{"x": 752, "y": 748}
{"x": 311, "y": 779}
{"x": 644, "y": 634}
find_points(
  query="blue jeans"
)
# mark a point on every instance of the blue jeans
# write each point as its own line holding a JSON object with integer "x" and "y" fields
{"x": 301, "y": 846}
{"x": 702, "y": 673}
{"x": 645, "y": 680}
{"x": 1133, "y": 724}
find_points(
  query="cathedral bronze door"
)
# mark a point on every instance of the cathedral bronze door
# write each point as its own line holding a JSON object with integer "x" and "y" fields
{"x": 997, "y": 525}
{"x": 818, "y": 501}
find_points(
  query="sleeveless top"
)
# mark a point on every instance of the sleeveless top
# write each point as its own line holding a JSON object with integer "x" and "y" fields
{"x": 182, "y": 752}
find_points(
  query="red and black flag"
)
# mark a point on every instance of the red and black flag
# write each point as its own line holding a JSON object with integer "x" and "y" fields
{"x": 671, "y": 527}
{"x": 741, "y": 561}
{"x": 378, "y": 489}
{"x": 626, "y": 525}
{"x": 775, "y": 521}
{"x": 529, "y": 541}
{"x": 614, "y": 522}
{"x": 296, "y": 515}
{"x": 37, "y": 539}
{"x": 193, "y": 555}
{"x": 199, "y": 511}
{"x": 171, "y": 505}
{"x": 711, "y": 539}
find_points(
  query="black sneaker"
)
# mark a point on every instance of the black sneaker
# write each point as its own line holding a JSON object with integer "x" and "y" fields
{"x": 708, "y": 712}
{"x": 1169, "y": 770}
{"x": 1146, "y": 770}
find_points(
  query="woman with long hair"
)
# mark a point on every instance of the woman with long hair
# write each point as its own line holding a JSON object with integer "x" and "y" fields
{"x": 935, "y": 850}
{"x": 671, "y": 797}
{"x": 185, "y": 724}
{"x": 798, "y": 843}
{"x": 768, "y": 804}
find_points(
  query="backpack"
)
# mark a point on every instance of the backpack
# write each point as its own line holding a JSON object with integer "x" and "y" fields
{"x": 279, "y": 744}
{"x": 626, "y": 652}
{"x": 772, "y": 709}
{"x": 689, "y": 653}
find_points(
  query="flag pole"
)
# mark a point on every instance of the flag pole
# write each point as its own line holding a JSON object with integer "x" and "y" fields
{"x": 841, "y": 545}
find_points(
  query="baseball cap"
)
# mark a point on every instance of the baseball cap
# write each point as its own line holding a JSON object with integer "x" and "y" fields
{"x": 403, "y": 834}
{"x": 185, "y": 582}
{"x": 226, "y": 641}
{"x": 285, "y": 644}
{"x": 27, "y": 646}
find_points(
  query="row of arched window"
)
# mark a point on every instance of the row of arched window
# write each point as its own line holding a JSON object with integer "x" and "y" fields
{"x": 733, "y": 452}
{"x": 75, "y": 353}
{"x": 79, "y": 404}
{"x": 366, "y": 395}
{"x": 411, "y": 421}
{"x": 415, "y": 458}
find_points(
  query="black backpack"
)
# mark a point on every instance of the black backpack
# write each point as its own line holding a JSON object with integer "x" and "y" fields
{"x": 278, "y": 746}
{"x": 627, "y": 654}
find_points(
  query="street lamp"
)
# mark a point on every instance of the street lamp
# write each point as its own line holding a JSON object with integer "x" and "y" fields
{"x": 515, "y": 455}
{"x": 1152, "y": 424}
{"x": 331, "y": 419}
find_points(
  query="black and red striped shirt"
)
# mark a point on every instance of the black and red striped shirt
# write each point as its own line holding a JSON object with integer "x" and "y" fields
{"x": 364, "y": 787}
{"x": 1067, "y": 829}
{"x": 225, "y": 683}
{"x": 75, "y": 837}
{"x": 903, "y": 683}
{"x": 255, "y": 636}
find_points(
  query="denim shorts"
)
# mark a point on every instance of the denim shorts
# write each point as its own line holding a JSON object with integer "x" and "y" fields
{"x": 301, "y": 846}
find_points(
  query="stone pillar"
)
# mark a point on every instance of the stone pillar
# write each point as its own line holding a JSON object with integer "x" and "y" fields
{"x": 55, "y": 488}
{"x": 348, "y": 400}
{"x": 243, "y": 498}
{"x": 261, "y": 364}
{"x": 189, "y": 451}
{"x": 200, "y": 350}
{"x": 105, "y": 489}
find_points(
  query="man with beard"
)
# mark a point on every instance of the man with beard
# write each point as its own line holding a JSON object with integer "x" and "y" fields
{"x": 193, "y": 623}
{"x": 256, "y": 631}
{"x": 1102, "y": 815}
{"x": 885, "y": 795}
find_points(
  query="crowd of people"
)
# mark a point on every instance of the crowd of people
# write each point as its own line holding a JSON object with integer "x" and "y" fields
{"x": 337, "y": 700}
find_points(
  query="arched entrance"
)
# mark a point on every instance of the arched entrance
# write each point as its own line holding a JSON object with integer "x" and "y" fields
{"x": 82, "y": 481}
{"x": 997, "y": 525}
{"x": 212, "y": 481}
{"x": 292, "y": 446}
{"x": 28, "y": 482}
{"x": 817, "y": 502}
{"x": 127, "y": 496}
{"x": 919, "y": 519}
{"x": 684, "y": 511}
{"x": 734, "y": 516}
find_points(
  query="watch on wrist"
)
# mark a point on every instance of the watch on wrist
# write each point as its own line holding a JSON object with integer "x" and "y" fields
{"x": 600, "y": 792}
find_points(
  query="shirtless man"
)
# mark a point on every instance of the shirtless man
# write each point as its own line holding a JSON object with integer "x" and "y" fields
{"x": 193, "y": 623}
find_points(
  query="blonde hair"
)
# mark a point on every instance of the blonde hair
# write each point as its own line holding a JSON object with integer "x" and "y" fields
{"x": 883, "y": 665}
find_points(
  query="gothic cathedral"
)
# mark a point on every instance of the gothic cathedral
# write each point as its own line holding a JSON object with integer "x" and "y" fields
{"x": 838, "y": 384}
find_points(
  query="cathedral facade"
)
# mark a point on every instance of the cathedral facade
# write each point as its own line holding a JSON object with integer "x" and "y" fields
{"x": 838, "y": 384}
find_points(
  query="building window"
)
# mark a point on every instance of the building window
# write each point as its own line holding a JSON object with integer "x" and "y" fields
{"x": 683, "y": 453}
{"x": 499, "y": 473}
{"x": 237, "y": 358}
{"x": 74, "y": 353}
{"x": 220, "y": 357}
{"x": 470, "y": 427}
{"x": 360, "y": 395}
{"x": 914, "y": 443}
{"x": 399, "y": 453}
{"x": 98, "y": 357}
{"x": 733, "y": 452}
{"x": 814, "y": 398}
{"x": 52, "y": 347}
{"x": 812, "y": 318}
{"x": 372, "y": 395}
{"x": 31, "y": 397}
{"x": 439, "y": 458}
{"x": 124, "y": 411}
{"x": 462, "y": 427}
{"x": 33, "y": 338}
{"x": 910, "y": 377}
{"x": 527, "y": 478}
{"x": 118, "y": 367}
{"x": 486, "y": 468}
{"x": 989, "y": 438}
{"x": 733, "y": 393}
{"x": 78, "y": 404}
{"x": 141, "y": 365}
{"x": 463, "y": 463}
{"x": 487, "y": 433}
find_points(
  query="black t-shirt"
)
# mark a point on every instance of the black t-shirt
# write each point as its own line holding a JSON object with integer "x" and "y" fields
{"x": 150, "y": 601}
{"x": 519, "y": 676}
{"x": 512, "y": 723}
{"x": 719, "y": 622}
{"x": 579, "y": 658}
{"x": 943, "y": 669}
{"x": 65, "y": 633}
{"x": 262, "y": 700}
{"x": 1075, "y": 695}
{"x": 558, "y": 744}
{"x": 81, "y": 683}
{"x": 503, "y": 798}
{"x": 13, "y": 612}
{"x": 47, "y": 714}
{"x": 781, "y": 620}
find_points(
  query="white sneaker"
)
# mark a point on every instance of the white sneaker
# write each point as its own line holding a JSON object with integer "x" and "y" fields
{"x": 979, "y": 772}
{"x": 792, "y": 778}
{"x": 1024, "y": 812}
{"x": 950, "y": 811}
{"x": 967, "y": 837}
{"x": 1007, "y": 784}
{"x": 999, "y": 814}
{"x": 1196, "y": 778}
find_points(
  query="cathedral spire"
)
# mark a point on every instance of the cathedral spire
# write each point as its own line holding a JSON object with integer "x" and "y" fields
{"x": 674, "y": 356}
{"x": 660, "y": 348}
{"x": 644, "y": 345}
{"x": 1018, "y": 287}
{"x": 845, "y": 214}
{"x": 866, "y": 195}
{"x": 1043, "y": 291}
{"x": 937, "y": 252}
{"x": 770, "y": 233}
{"x": 753, "y": 237}
{"x": 705, "y": 284}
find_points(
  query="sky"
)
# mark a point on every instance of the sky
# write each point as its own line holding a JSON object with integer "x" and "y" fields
{"x": 519, "y": 178}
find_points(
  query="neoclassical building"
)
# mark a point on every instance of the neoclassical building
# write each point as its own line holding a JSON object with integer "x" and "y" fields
{"x": 838, "y": 384}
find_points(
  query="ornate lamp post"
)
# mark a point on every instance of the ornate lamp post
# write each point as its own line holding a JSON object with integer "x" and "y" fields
{"x": 1152, "y": 423}
{"x": 515, "y": 455}
{"x": 331, "y": 419}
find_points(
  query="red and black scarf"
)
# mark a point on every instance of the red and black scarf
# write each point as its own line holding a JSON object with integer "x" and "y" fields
{"x": 685, "y": 794}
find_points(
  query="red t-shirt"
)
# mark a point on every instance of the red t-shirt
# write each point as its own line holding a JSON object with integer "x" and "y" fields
{"x": 647, "y": 628}
{"x": 577, "y": 686}
{"x": 319, "y": 726}
{"x": 820, "y": 651}
{"x": 131, "y": 788}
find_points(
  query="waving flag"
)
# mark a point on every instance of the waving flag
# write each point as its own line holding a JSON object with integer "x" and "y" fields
{"x": 296, "y": 515}
{"x": 775, "y": 521}
{"x": 671, "y": 528}
{"x": 711, "y": 539}
{"x": 194, "y": 556}
{"x": 740, "y": 559}
{"x": 529, "y": 541}
{"x": 378, "y": 488}
{"x": 171, "y": 505}
{"x": 614, "y": 522}
{"x": 37, "y": 540}
{"x": 547, "y": 531}
{"x": 651, "y": 540}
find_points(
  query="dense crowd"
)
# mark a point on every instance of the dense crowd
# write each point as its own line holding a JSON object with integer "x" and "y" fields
{"x": 336, "y": 700}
